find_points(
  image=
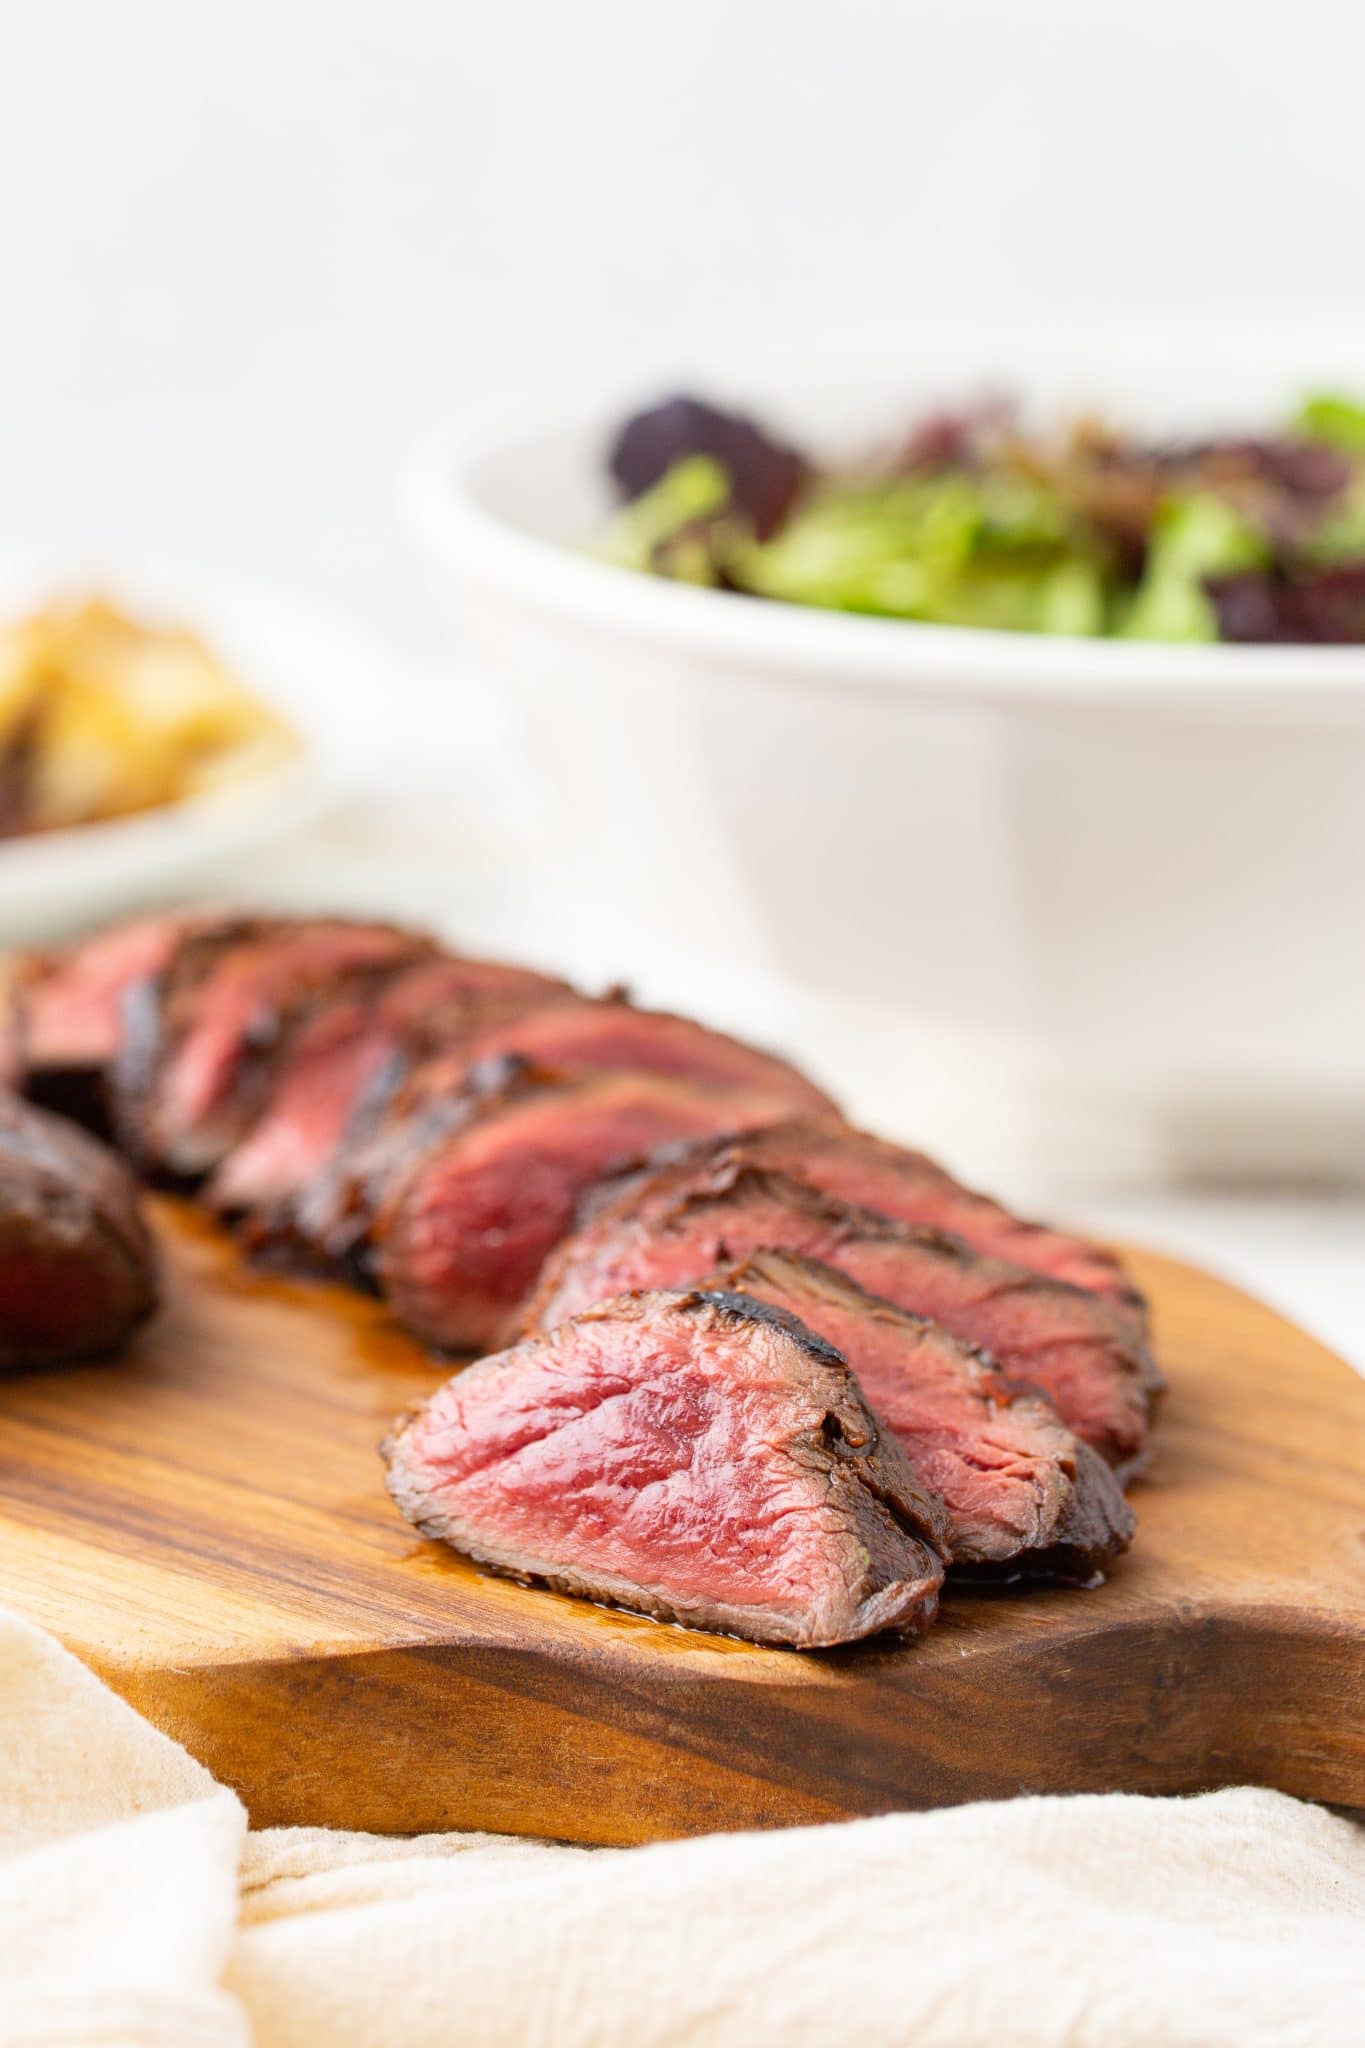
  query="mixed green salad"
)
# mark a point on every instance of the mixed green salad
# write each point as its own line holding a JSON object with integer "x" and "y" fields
{"x": 973, "y": 519}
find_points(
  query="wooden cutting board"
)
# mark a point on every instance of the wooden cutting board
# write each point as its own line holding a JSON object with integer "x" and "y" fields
{"x": 204, "y": 1523}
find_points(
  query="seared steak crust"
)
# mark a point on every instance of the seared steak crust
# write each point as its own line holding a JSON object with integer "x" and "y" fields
{"x": 692, "y": 1456}
{"x": 343, "y": 1065}
{"x": 1023, "y": 1494}
{"x": 65, "y": 1008}
{"x": 440, "y": 1069}
{"x": 77, "y": 1265}
{"x": 468, "y": 1199}
{"x": 672, "y": 1226}
{"x": 201, "y": 1037}
{"x": 872, "y": 1173}
{"x": 586, "y": 1034}
{"x": 153, "y": 1015}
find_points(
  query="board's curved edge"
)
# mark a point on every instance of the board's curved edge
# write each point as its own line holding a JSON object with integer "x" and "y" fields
{"x": 456, "y": 1735}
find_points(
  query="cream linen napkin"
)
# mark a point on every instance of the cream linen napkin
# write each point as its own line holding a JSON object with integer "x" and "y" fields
{"x": 136, "y": 1912}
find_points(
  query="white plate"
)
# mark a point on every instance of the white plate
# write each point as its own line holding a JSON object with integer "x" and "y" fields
{"x": 318, "y": 671}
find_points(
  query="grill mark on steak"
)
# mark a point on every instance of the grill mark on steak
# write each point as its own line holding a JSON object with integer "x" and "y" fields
{"x": 565, "y": 1034}
{"x": 673, "y": 1226}
{"x": 77, "y": 1263}
{"x": 66, "y": 1008}
{"x": 200, "y": 1038}
{"x": 348, "y": 1051}
{"x": 583, "y": 1034}
{"x": 468, "y": 1200}
{"x": 1023, "y": 1494}
{"x": 148, "y": 1024}
{"x": 328, "y": 1225}
{"x": 684, "y": 1455}
{"x": 872, "y": 1173}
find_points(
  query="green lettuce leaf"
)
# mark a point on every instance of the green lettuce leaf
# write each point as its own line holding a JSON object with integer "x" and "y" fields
{"x": 1193, "y": 538}
{"x": 1332, "y": 417}
{"x": 667, "y": 517}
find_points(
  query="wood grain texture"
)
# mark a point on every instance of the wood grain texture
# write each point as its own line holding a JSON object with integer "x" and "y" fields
{"x": 204, "y": 1522}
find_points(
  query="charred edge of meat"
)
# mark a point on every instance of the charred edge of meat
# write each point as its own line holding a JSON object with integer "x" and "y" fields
{"x": 635, "y": 1175}
{"x": 682, "y": 1203}
{"x": 275, "y": 1241}
{"x": 388, "y": 1113}
{"x": 850, "y": 1437}
{"x": 272, "y": 1242}
{"x": 357, "y": 997}
{"x": 79, "y": 1094}
{"x": 1096, "y": 1527}
{"x": 695, "y": 1175}
{"x": 380, "y": 1092}
{"x": 852, "y": 1221}
{"x": 427, "y": 1121}
{"x": 558, "y": 1029}
{"x": 133, "y": 1075}
{"x": 1124, "y": 1291}
{"x": 74, "y": 1092}
{"x": 748, "y": 1308}
{"x": 1096, "y": 1523}
{"x": 330, "y": 1227}
{"x": 153, "y": 1022}
{"x": 135, "y": 1071}
{"x": 291, "y": 1236}
{"x": 931, "y": 1522}
{"x": 625, "y": 1595}
{"x": 1124, "y": 1300}
{"x": 710, "y": 1170}
{"x": 409, "y": 1135}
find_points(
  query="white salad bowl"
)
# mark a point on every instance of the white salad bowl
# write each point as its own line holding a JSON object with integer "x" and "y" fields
{"x": 1091, "y": 908}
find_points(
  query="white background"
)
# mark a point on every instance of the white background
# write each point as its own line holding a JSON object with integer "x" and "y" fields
{"x": 248, "y": 247}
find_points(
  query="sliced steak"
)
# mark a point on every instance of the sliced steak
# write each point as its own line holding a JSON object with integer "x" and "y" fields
{"x": 584, "y": 1035}
{"x": 571, "y": 1036}
{"x": 339, "y": 1054}
{"x": 200, "y": 1038}
{"x": 77, "y": 1267}
{"x": 674, "y": 1226}
{"x": 467, "y": 1204}
{"x": 872, "y": 1173}
{"x": 1023, "y": 1494}
{"x": 67, "y": 1006}
{"x": 698, "y": 1457}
